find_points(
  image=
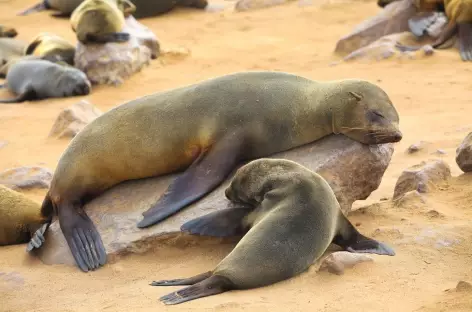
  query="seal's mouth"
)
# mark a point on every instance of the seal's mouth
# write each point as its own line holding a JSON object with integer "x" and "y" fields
{"x": 376, "y": 137}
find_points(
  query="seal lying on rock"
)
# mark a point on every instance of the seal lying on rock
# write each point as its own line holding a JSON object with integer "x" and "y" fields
{"x": 293, "y": 217}
{"x": 40, "y": 79}
{"x": 19, "y": 217}
{"x": 51, "y": 47}
{"x": 205, "y": 129}
{"x": 101, "y": 21}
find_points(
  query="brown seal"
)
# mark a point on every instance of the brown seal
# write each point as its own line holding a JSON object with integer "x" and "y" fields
{"x": 293, "y": 216}
{"x": 206, "y": 130}
{"x": 51, "y": 47}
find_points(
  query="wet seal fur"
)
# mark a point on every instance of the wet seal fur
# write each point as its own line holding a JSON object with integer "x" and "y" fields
{"x": 459, "y": 14}
{"x": 101, "y": 21}
{"x": 293, "y": 216}
{"x": 51, "y": 47}
{"x": 19, "y": 218}
{"x": 205, "y": 130}
{"x": 65, "y": 7}
{"x": 40, "y": 79}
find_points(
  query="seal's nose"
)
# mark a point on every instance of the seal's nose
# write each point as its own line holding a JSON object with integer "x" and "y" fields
{"x": 397, "y": 136}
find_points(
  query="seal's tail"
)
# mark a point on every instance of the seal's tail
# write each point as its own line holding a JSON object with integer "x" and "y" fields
{"x": 47, "y": 211}
{"x": 36, "y": 8}
{"x": 211, "y": 286}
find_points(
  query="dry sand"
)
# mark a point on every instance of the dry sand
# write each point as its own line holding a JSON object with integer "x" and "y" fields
{"x": 432, "y": 96}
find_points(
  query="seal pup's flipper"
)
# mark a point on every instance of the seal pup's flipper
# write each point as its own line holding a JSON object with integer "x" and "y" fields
{"x": 183, "y": 281}
{"x": 29, "y": 94}
{"x": 211, "y": 286}
{"x": 465, "y": 41}
{"x": 47, "y": 211}
{"x": 351, "y": 240}
{"x": 111, "y": 37}
{"x": 208, "y": 171}
{"x": 227, "y": 222}
{"x": 82, "y": 237}
{"x": 42, "y": 6}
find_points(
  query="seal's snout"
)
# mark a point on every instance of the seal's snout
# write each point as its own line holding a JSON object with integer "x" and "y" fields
{"x": 11, "y": 33}
{"x": 397, "y": 136}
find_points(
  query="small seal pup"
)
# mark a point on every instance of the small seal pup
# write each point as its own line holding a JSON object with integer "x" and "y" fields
{"x": 101, "y": 21}
{"x": 7, "y": 32}
{"x": 64, "y": 7}
{"x": 205, "y": 130}
{"x": 51, "y": 47}
{"x": 293, "y": 217}
{"x": 40, "y": 79}
{"x": 19, "y": 217}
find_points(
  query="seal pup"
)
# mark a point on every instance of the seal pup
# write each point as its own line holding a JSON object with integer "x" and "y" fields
{"x": 293, "y": 216}
{"x": 40, "y": 79}
{"x": 19, "y": 217}
{"x": 205, "y": 130}
{"x": 7, "y": 32}
{"x": 64, "y": 7}
{"x": 101, "y": 21}
{"x": 51, "y": 47}
{"x": 459, "y": 14}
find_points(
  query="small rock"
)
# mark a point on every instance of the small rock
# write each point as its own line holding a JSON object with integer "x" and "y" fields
{"x": 384, "y": 198}
{"x": 173, "y": 54}
{"x": 464, "y": 286}
{"x": 440, "y": 152}
{"x": 464, "y": 154}
{"x": 337, "y": 261}
{"x": 73, "y": 119}
{"x": 247, "y": 5}
{"x": 352, "y": 169}
{"x": 417, "y": 147}
{"x": 358, "y": 224}
{"x": 422, "y": 177}
{"x": 411, "y": 200}
{"x": 113, "y": 62}
{"x": 434, "y": 214}
{"x": 26, "y": 178}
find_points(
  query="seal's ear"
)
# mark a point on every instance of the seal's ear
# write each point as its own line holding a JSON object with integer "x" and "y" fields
{"x": 356, "y": 95}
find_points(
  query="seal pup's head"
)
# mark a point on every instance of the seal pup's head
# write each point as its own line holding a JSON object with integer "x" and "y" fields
{"x": 74, "y": 82}
{"x": 8, "y": 32}
{"x": 364, "y": 112}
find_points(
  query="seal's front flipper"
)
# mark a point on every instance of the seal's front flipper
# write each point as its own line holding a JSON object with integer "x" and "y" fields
{"x": 183, "y": 281}
{"x": 227, "y": 222}
{"x": 60, "y": 15}
{"x": 465, "y": 41}
{"x": 82, "y": 237}
{"x": 111, "y": 37}
{"x": 36, "y": 8}
{"x": 201, "y": 177}
{"x": 351, "y": 240}
{"x": 29, "y": 94}
{"x": 208, "y": 287}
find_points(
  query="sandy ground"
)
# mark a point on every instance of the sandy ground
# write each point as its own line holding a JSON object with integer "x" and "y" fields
{"x": 432, "y": 97}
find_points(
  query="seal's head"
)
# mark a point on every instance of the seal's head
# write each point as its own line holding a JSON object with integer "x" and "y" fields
{"x": 364, "y": 113}
{"x": 8, "y": 32}
{"x": 74, "y": 82}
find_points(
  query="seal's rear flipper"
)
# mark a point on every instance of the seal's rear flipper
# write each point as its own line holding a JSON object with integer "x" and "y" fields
{"x": 183, "y": 281}
{"x": 36, "y": 8}
{"x": 111, "y": 37}
{"x": 201, "y": 177}
{"x": 37, "y": 239}
{"x": 227, "y": 222}
{"x": 465, "y": 41}
{"x": 47, "y": 211}
{"x": 25, "y": 96}
{"x": 351, "y": 240}
{"x": 208, "y": 287}
{"x": 82, "y": 237}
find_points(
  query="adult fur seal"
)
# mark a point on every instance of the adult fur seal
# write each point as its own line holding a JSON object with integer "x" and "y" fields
{"x": 459, "y": 14}
{"x": 293, "y": 217}
{"x": 64, "y": 7}
{"x": 146, "y": 8}
{"x": 19, "y": 217}
{"x": 7, "y": 32}
{"x": 51, "y": 47}
{"x": 101, "y": 21}
{"x": 11, "y": 48}
{"x": 206, "y": 129}
{"x": 40, "y": 79}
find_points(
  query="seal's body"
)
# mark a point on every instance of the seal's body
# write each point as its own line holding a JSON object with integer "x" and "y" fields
{"x": 206, "y": 129}
{"x": 293, "y": 216}
{"x": 64, "y": 7}
{"x": 51, "y": 47}
{"x": 146, "y": 8}
{"x": 11, "y": 48}
{"x": 101, "y": 21}
{"x": 19, "y": 217}
{"x": 40, "y": 79}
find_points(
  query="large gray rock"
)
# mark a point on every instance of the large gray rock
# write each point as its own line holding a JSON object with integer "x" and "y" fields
{"x": 352, "y": 169}
{"x": 464, "y": 154}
